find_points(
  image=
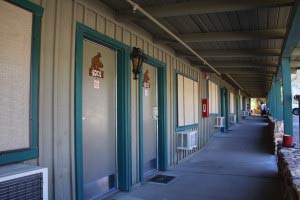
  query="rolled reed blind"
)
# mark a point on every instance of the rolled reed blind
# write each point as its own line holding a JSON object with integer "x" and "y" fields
{"x": 15, "y": 58}
{"x": 232, "y": 100}
{"x": 187, "y": 101}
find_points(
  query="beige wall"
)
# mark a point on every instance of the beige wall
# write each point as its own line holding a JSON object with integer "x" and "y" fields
{"x": 56, "y": 98}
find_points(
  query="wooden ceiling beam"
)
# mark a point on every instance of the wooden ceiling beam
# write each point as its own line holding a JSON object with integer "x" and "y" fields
{"x": 254, "y": 81}
{"x": 230, "y": 71}
{"x": 251, "y": 75}
{"x": 240, "y": 53}
{"x": 238, "y": 71}
{"x": 234, "y": 36}
{"x": 257, "y": 89}
{"x": 293, "y": 32}
{"x": 249, "y": 83}
{"x": 245, "y": 64}
{"x": 226, "y": 36}
{"x": 204, "y": 7}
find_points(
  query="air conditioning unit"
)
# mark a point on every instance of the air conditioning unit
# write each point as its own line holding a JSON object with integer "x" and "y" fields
{"x": 21, "y": 181}
{"x": 232, "y": 118}
{"x": 186, "y": 140}
{"x": 245, "y": 113}
{"x": 219, "y": 122}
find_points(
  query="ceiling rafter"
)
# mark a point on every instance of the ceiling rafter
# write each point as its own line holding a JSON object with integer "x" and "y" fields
{"x": 255, "y": 69}
{"x": 205, "y": 7}
{"x": 246, "y": 64}
{"x": 235, "y": 53}
{"x": 225, "y": 36}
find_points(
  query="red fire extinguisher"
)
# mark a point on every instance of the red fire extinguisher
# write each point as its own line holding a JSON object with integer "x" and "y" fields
{"x": 205, "y": 111}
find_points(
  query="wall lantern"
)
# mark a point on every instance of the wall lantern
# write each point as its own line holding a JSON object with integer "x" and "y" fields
{"x": 137, "y": 56}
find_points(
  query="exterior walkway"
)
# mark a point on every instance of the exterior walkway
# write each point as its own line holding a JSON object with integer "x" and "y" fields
{"x": 235, "y": 165}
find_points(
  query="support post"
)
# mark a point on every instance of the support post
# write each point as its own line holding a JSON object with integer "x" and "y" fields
{"x": 237, "y": 110}
{"x": 274, "y": 99}
{"x": 279, "y": 111}
{"x": 244, "y": 103}
{"x": 269, "y": 102}
{"x": 270, "y": 99}
{"x": 226, "y": 109}
{"x": 222, "y": 95}
{"x": 287, "y": 96}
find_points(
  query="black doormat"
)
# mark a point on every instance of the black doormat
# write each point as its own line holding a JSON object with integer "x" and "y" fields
{"x": 161, "y": 179}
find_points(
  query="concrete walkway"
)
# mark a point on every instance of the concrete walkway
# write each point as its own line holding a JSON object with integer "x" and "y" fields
{"x": 235, "y": 165}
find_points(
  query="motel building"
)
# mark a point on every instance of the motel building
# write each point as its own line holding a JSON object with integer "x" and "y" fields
{"x": 149, "y": 99}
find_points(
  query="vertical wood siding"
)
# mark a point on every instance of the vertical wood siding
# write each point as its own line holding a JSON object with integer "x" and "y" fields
{"x": 56, "y": 97}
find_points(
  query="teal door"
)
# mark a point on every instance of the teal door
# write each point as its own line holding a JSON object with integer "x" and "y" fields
{"x": 150, "y": 117}
{"x": 98, "y": 119}
{"x": 102, "y": 114}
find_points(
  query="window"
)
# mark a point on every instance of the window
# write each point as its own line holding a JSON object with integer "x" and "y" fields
{"x": 241, "y": 102}
{"x": 19, "y": 34}
{"x": 213, "y": 97}
{"x": 231, "y": 100}
{"x": 187, "y": 101}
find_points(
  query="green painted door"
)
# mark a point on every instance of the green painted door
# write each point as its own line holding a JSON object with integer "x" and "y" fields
{"x": 150, "y": 117}
{"x": 102, "y": 114}
{"x": 98, "y": 120}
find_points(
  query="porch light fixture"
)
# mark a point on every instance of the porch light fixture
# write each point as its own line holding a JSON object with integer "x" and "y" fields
{"x": 137, "y": 57}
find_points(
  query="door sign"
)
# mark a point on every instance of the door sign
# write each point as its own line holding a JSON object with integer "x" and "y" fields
{"x": 96, "y": 84}
{"x": 146, "y": 79}
{"x": 96, "y": 67}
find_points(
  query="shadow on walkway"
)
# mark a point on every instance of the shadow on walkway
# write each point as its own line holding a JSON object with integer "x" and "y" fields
{"x": 236, "y": 165}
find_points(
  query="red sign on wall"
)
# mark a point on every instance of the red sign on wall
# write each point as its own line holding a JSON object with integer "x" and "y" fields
{"x": 205, "y": 112}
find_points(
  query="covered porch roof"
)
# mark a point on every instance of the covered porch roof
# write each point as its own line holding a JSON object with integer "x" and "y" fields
{"x": 243, "y": 40}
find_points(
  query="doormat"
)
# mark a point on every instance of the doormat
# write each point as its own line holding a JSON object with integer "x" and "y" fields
{"x": 161, "y": 179}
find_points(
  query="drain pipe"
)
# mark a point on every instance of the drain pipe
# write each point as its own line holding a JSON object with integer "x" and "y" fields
{"x": 137, "y": 7}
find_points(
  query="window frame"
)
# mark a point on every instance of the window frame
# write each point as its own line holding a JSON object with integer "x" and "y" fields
{"x": 32, "y": 152}
{"x": 184, "y": 127}
{"x": 216, "y": 97}
{"x": 232, "y": 102}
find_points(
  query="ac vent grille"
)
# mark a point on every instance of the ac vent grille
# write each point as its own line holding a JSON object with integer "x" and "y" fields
{"x": 26, "y": 188}
{"x": 187, "y": 140}
{"x": 219, "y": 122}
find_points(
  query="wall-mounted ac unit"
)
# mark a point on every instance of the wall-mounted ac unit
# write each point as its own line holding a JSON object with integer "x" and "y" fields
{"x": 219, "y": 122}
{"x": 186, "y": 140}
{"x": 245, "y": 113}
{"x": 232, "y": 118}
{"x": 21, "y": 181}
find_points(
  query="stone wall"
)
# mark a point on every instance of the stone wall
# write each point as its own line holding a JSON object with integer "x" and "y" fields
{"x": 288, "y": 165}
{"x": 275, "y": 132}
